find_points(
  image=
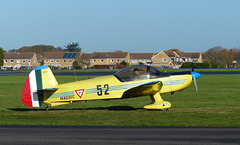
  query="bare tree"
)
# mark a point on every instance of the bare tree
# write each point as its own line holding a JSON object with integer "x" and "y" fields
{"x": 216, "y": 56}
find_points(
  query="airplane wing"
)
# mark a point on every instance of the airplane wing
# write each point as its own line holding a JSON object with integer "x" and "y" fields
{"x": 149, "y": 88}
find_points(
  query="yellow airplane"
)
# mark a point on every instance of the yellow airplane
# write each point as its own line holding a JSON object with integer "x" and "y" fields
{"x": 141, "y": 80}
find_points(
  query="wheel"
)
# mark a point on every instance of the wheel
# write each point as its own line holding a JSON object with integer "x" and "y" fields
{"x": 164, "y": 109}
{"x": 47, "y": 107}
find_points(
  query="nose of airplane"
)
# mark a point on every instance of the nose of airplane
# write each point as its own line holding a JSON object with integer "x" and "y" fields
{"x": 195, "y": 75}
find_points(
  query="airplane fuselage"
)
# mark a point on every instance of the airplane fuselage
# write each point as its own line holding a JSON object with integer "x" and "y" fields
{"x": 109, "y": 87}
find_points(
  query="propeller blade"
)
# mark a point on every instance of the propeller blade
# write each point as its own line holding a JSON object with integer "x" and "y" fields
{"x": 195, "y": 76}
{"x": 195, "y": 83}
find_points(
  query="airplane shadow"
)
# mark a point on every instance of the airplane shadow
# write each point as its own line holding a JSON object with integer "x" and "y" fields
{"x": 111, "y": 108}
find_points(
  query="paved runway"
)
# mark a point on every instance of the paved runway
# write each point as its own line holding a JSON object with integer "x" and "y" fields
{"x": 61, "y": 135}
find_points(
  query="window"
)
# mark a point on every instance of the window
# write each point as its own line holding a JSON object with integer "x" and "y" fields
{"x": 134, "y": 61}
{"x": 118, "y": 60}
{"x": 6, "y": 61}
{"x": 137, "y": 73}
{"x": 24, "y": 61}
{"x": 112, "y": 60}
{"x": 142, "y": 60}
{"x": 164, "y": 59}
{"x": 179, "y": 59}
{"x": 70, "y": 60}
{"x": 188, "y": 59}
{"x": 94, "y": 60}
{"x": 29, "y": 61}
{"x": 195, "y": 60}
{"x": 11, "y": 60}
{"x": 46, "y": 60}
{"x": 52, "y": 60}
{"x": 64, "y": 60}
{"x": 18, "y": 61}
{"x": 102, "y": 60}
{"x": 57, "y": 60}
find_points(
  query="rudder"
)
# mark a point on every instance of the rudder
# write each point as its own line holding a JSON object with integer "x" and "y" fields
{"x": 40, "y": 79}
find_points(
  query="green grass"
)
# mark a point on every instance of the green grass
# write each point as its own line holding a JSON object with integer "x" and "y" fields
{"x": 217, "y": 104}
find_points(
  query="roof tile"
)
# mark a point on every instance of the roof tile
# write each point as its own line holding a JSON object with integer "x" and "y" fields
{"x": 18, "y": 55}
{"x": 109, "y": 54}
{"x": 59, "y": 55}
{"x": 141, "y": 55}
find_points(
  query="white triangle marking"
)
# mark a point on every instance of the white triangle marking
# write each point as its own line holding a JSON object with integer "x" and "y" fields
{"x": 79, "y": 92}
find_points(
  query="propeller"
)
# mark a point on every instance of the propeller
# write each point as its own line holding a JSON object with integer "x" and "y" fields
{"x": 195, "y": 83}
{"x": 195, "y": 76}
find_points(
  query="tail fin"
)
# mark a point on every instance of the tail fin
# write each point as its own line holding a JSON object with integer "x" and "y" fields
{"x": 40, "y": 79}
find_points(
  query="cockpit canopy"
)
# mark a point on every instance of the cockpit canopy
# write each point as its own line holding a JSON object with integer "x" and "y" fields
{"x": 138, "y": 72}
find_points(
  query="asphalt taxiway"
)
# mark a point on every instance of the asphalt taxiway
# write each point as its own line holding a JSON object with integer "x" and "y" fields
{"x": 116, "y": 135}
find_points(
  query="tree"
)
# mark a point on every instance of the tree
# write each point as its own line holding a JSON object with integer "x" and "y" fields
{"x": 83, "y": 61}
{"x": 1, "y": 56}
{"x": 216, "y": 56}
{"x": 73, "y": 47}
{"x": 13, "y": 51}
{"x": 75, "y": 64}
{"x": 59, "y": 49}
{"x": 38, "y": 49}
{"x": 237, "y": 56}
{"x": 174, "y": 50}
{"x": 123, "y": 63}
{"x": 228, "y": 55}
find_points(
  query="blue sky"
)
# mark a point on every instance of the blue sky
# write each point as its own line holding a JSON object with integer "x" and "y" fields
{"x": 127, "y": 25}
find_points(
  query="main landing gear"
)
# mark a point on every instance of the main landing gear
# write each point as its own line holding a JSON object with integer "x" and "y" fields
{"x": 158, "y": 103}
{"x": 49, "y": 105}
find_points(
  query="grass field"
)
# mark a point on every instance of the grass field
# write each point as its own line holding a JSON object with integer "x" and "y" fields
{"x": 217, "y": 104}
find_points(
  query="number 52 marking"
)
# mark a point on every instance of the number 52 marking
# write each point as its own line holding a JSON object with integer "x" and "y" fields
{"x": 100, "y": 89}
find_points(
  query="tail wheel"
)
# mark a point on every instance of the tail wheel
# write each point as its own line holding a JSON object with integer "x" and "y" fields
{"x": 47, "y": 107}
{"x": 164, "y": 109}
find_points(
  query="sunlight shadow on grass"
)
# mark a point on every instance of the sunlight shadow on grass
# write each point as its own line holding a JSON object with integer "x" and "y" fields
{"x": 111, "y": 108}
